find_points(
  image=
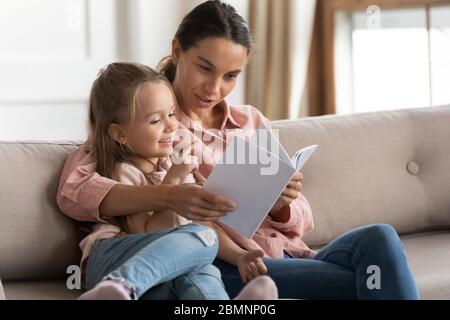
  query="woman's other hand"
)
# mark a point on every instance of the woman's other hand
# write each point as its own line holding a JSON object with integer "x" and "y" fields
{"x": 290, "y": 193}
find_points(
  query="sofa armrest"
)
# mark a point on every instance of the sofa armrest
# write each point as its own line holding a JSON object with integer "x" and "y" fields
{"x": 2, "y": 293}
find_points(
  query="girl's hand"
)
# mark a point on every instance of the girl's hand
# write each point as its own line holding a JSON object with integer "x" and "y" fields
{"x": 290, "y": 193}
{"x": 183, "y": 163}
{"x": 250, "y": 265}
{"x": 195, "y": 203}
{"x": 180, "y": 169}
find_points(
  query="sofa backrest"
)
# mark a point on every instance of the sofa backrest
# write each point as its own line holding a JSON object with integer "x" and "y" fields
{"x": 389, "y": 167}
{"x": 36, "y": 240}
{"x": 385, "y": 167}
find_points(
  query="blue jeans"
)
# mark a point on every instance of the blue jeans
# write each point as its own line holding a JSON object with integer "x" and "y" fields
{"x": 172, "y": 263}
{"x": 341, "y": 270}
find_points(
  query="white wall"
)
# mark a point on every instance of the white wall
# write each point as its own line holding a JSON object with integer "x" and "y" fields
{"x": 51, "y": 57}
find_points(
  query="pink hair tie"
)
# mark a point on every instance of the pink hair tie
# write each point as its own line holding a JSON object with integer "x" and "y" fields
{"x": 102, "y": 71}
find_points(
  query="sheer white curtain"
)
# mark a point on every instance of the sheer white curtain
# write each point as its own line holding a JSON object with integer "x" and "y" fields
{"x": 282, "y": 31}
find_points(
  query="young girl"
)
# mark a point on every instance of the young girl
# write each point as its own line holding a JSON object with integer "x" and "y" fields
{"x": 133, "y": 128}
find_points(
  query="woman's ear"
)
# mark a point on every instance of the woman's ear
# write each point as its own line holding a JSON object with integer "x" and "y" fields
{"x": 116, "y": 133}
{"x": 176, "y": 50}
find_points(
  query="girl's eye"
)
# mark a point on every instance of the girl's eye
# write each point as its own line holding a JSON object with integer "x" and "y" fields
{"x": 154, "y": 122}
{"x": 171, "y": 115}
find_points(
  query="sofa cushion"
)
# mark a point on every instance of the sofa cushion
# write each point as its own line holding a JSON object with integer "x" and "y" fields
{"x": 425, "y": 252}
{"x": 40, "y": 290}
{"x": 385, "y": 167}
{"x": 37, "y": 239}
{"x": 429, "y": 262}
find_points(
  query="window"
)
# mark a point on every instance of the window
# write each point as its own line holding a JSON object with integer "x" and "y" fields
{"x": 403, "y": 63}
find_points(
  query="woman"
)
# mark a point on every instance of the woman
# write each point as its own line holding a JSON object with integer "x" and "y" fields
{"x": 209, "y": 51}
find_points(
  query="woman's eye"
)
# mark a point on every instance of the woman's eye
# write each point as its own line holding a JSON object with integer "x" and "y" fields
{"x": 172, "y": 115}
{"x": 204, "y": 68}
{"x": 154, "y": 121}
{"x": 232, "y": 76}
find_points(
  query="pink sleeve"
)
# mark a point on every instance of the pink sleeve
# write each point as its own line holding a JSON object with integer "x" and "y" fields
{"x": 300, "y": 221}
{"x": 81, "y": 189}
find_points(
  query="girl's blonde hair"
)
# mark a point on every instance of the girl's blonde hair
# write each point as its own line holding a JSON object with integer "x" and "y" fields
{"x": 113, "y": 99}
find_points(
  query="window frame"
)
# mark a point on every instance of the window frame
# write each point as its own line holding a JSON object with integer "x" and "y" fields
{"x": 321, "y": 74}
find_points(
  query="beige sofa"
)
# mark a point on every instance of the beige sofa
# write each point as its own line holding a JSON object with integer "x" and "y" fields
{"x": 387, "y": 167}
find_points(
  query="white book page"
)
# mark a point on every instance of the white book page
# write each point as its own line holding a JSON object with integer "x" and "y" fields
{"x": 272, "y": 141}
{"x": 297, "y": 160}
{"x": 301, "y": 156}
{"x": 254, "y": 187}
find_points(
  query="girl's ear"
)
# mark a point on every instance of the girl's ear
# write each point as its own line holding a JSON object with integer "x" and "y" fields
{"x": 116, "y": 133}
{"x": 176, "y": 50}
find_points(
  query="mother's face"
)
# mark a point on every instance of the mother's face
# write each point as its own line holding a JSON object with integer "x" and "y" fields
{"x": 207, "y": 72}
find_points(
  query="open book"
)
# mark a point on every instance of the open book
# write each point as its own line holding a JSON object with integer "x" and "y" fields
{"x": 253, "y": 173}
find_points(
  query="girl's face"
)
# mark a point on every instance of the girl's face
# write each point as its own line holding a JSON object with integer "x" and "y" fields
{"x": 207, "y": 72}
{"x": 151, "y": 134}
